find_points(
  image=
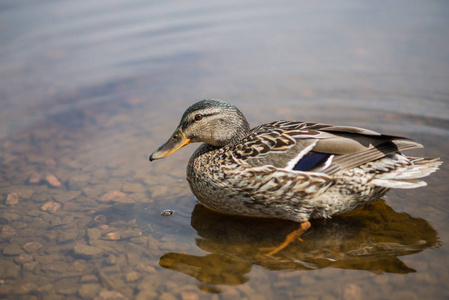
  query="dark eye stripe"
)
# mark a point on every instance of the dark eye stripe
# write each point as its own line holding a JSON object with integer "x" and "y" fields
{"x": 189, "y": 122}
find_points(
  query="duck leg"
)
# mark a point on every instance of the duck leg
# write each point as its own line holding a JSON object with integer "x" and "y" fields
{"x": 291, "y": 237}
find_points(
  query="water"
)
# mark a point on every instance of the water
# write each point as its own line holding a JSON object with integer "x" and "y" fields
{"x": 90, "y": 89}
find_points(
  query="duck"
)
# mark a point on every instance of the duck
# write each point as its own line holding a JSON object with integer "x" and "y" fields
{"x": 289, "y": 170}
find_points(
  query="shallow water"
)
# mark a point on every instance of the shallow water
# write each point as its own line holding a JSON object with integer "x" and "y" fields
{"x": 90, "y": 89}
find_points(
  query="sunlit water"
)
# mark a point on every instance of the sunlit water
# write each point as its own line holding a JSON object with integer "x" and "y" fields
{"x": 89, "y": 89}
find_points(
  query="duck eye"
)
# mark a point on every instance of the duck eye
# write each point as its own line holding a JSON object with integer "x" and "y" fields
{"x": 198, "y": 117}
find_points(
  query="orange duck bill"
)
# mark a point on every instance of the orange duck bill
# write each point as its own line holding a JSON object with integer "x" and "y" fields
{"x": 176, "y": 141}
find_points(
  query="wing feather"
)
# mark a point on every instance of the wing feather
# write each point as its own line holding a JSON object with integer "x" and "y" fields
{"x": 283, "y": 144}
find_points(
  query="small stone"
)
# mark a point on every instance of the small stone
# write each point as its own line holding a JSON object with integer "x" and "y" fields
{"x": 32, "y": 247}
{"x": 112, "y": 236}
{"x": 51, "y": 207}
{"x": 89, "y": 290}
{"x": 12, "y": 250}
{"x": 132, "y": 277}
{"x": 93, "y": 234}
{"x": 115, "y": 196}
{"x": 85, "y": 250}
{"x": 52, "y": 181}
{"x": 23, "y": 258}
{"x": 12, "y": 199}
{"x": 89, "y": 278}
{"x": 7, "y": 232}
{"x": 167, "y": 212}
{"x": 34, "y": 178}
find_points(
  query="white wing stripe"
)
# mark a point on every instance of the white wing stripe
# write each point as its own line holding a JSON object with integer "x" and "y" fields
{"x": 292, "y": 163}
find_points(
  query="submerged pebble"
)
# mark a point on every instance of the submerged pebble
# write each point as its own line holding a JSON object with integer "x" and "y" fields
{"x": 89, "y": 278}
{"x": 114, "y": 196}
{"x": 34, "y": 178}
{"x": 132, "y": 276}
{"x": 112, "y": 236}
{"x": 7, "y": 232}
{"x": 51, "y": 206}
{"x": 23, "y": 258}
{"x": 12, "y": 199}
{"x": 32, "y": 247}
{"x": 52, "y": 181}
{"x": 167, "y": 212}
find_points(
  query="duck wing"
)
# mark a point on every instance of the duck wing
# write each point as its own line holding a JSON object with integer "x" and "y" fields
{"x": 316, "y": 147}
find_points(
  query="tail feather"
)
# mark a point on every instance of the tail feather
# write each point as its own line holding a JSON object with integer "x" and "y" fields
{"x": 406, "y": 172}
{"x": 399, "y": 184}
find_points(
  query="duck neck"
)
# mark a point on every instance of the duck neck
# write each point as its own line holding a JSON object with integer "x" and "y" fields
{"x": 240, "y": 132}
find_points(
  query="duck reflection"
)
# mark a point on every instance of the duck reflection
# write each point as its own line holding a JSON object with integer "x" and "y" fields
{"x": 370, "y": 238}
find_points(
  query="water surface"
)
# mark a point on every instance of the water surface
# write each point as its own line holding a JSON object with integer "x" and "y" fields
{"x": 90, "y": 89}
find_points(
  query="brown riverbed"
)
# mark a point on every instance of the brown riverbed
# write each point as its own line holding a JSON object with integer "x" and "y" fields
{"x": 89, "y": 90}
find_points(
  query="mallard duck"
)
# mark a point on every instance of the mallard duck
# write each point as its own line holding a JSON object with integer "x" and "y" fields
{"x": 289, "y": 170}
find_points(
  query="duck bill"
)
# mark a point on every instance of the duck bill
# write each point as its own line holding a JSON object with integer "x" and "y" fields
{"x": 176, "y": 141}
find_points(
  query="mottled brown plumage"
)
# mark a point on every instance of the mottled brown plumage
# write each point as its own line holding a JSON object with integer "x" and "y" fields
{"x": 289, "y": 170}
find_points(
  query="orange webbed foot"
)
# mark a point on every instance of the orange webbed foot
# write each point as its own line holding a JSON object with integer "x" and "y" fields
{"x": 291, "y": 237}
